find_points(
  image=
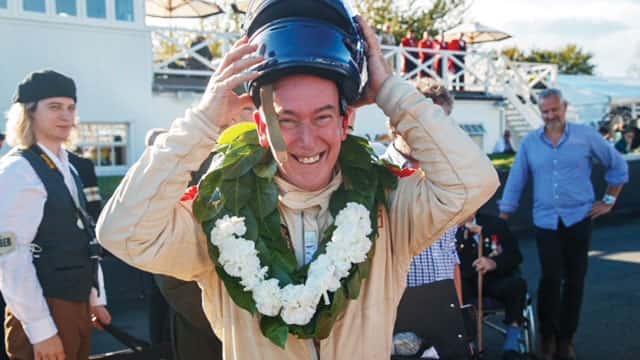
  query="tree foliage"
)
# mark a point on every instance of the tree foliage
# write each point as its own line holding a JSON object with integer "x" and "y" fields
{"x": 570, "y": 60}
{"x": 435, "y": 17}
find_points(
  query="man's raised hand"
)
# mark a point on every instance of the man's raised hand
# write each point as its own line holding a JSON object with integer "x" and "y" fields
{"x": 378, "y": 68}
{"x": 219, "y": 103}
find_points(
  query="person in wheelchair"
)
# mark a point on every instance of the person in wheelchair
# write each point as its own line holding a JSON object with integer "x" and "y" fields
{"x": 499, "y": 266}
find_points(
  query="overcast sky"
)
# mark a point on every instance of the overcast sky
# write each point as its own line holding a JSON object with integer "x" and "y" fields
{"x": 610, "y": 30}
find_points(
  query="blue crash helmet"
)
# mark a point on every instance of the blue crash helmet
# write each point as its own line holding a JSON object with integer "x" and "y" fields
{"x": 317, "y": 37}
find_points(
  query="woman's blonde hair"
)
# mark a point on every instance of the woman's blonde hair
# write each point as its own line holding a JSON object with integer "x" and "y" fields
{"x": 20, "y": 125}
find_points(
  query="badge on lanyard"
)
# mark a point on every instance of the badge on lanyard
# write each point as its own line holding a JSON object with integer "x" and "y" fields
{"x": 310, "y": 245}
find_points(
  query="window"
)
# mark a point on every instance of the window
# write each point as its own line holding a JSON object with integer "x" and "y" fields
{"x": 66, "y": 7}
{"x": 124, "y": 10}
{"x": 34, "y": 5}
{"x": 96, "y": 9}
{"x": 105, "y": 144}
{"x": 476, "y": 133}
{"x": 3, "y": 4}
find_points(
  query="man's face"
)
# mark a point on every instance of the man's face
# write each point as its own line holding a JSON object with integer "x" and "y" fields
{"x": 308, "y": 112}
{"x": 53, "y": 119}
{"x": 553, "y": 111}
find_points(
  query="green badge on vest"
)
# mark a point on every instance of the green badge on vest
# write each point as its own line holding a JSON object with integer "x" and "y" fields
{"x": 7, "y": 242}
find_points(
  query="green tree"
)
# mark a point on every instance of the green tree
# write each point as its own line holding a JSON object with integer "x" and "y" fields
{"x": 435, "y": 17}
{"x": 570, "y": 60}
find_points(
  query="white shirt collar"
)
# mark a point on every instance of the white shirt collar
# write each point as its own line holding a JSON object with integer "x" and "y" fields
{"x": 62, "y": 161}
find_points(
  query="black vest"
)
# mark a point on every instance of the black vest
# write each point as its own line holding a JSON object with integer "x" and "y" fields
{"x": 64, "y": 267}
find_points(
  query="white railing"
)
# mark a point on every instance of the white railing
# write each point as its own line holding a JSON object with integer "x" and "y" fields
{"x": 486, "y": 72}
{"x": 478, "y": 69}
{"x": 176, "y": 54}
{"x": 176, "y": 51}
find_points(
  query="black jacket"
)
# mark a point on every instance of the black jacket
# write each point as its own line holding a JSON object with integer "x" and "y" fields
{"x": 499, "y": 244}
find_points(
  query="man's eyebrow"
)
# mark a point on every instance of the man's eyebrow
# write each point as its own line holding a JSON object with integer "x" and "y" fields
{"x": 324, "y": 108}
{"x": 318, "y": 110}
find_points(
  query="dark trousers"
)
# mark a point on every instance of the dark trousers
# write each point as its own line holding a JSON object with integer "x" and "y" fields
{"x": 510, "y": 290}
{"x": 192, "y": 342}
{"x": 563, "y": 258}
{"x": 3, "y": 348}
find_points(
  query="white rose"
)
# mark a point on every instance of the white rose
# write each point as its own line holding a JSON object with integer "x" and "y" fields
{"x": 298, "y": 304}
{"x": 238, "y": 257}
{"x": 322, "y": 275}
{"x": 252, "y": 275}
{"x": 228, "y": 226}
{"x": 267, "y": 297}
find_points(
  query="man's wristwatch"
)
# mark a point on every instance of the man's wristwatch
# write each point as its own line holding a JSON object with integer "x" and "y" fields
{"x": 609, "y": 199}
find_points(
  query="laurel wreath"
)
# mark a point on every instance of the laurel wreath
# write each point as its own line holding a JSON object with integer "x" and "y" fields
{"x": 243, "y": 186}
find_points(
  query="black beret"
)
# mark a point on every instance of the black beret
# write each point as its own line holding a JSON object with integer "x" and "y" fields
{"x": 44, "y": 84}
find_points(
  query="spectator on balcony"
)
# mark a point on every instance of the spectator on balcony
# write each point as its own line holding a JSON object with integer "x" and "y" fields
{"x": 504, "y": 145}
{"x": 427, "y": 44}
{"x": 458, "y": 45}
{"x": 439, "y": 61}
{"x": 411, "y": 57}
{"x": 386, "y": 37}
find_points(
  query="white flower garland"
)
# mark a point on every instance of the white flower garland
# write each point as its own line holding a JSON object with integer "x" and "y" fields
{"x": 296, "y": 304}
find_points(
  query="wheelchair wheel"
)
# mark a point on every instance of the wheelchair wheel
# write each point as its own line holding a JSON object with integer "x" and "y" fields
{"x": 529, "y": 330}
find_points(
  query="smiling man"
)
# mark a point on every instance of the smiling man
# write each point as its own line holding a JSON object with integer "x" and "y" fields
{"x": 558, "y": 157}
{"x": 49, "y": 270}
{"x": 280, "y": 236}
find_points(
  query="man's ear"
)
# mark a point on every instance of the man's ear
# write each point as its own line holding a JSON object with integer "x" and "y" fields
{"x": 348, "y": 122}
{"x": 262, "y": 129}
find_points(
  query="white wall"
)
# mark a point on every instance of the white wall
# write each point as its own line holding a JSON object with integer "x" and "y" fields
{"x": 480, "y": 112}
{"x": 370, "y": 120}
{"x": 167, "y": 106}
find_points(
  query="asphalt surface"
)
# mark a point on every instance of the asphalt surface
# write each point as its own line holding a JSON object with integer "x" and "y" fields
{"x": 609, "y": 315}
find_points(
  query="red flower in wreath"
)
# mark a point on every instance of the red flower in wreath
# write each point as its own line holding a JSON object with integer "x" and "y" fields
{"x": 401, "y": 173}
{"x": 190, "y": 194}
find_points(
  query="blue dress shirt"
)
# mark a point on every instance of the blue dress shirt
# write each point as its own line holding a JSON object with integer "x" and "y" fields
{"x": 562, "y": 187}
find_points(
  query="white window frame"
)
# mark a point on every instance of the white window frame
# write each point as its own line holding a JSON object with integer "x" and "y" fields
{"x": 8, "y": 10}
{"x": 109, "y": 170}
{"x": 15, "y": 9}
{"x": 479, "y": 135}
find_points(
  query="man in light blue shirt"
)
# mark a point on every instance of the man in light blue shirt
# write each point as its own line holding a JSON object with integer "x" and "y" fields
{"x": 558, "y": 157}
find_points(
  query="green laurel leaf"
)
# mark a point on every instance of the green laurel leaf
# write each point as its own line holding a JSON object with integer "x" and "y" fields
{"x": 275, "y": 329}
{"x": 238, "y": 161}
{"x": 266, "y": 170}
{"x": 327, "y": 318}
{"x": 205, "y": 206}
{"x": 242, "y": 298}
{"x": 233, "y": 132}
{"x": 237, "y": 192}
{"x": 266, "y": 197}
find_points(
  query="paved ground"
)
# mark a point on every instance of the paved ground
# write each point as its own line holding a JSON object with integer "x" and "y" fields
{"x": 609, "y": 316}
